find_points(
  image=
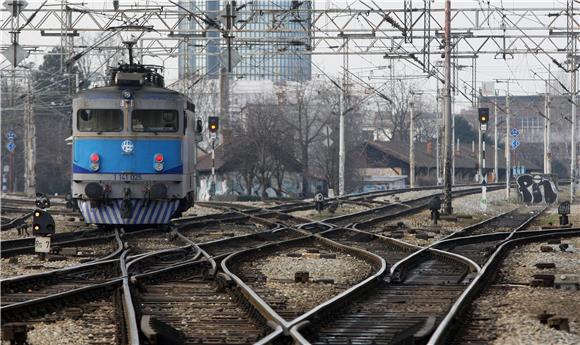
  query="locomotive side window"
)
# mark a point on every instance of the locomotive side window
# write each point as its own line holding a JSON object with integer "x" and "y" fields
{"x": 100, "y": 120}
{"x": 154, "y": 120}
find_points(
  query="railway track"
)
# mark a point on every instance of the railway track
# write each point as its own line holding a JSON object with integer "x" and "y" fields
{"x": 182, "y": 305}
{"x": 17, "y": 292}
{"x": 152, "y": 240}
{"x": 221, "y": 248}
{"x": 478, "y": 247}
{"x": 389, "y": 249}
{"x": 172, "y": 285}
{"x": 453, "y": 328}
{"x": 270, "y": 272}
{"x": 370, "y": 218}
{"x": 404, "y": 310}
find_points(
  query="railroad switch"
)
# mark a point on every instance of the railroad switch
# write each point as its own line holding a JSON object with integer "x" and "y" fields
{"x": 422, "y": 236}
{"x": 545, "y": 265}
{"x": 553, "y": 321}
{"x": 542, "y": 280}
{"x": 435, "y": 206}
{"x": 570, "y": 282}
{"x": 159, "y": 332}
{"x": 559, "y": 323}
{"x": 301, "y": 277}
{"x": 15, "y": 333}
{"x": 564, "y": 211}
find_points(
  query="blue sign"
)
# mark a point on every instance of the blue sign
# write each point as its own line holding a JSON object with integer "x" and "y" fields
{"x": 515, "y": 132}
{"x": 11, "y": 146}
{"x": 11, "y": 135}
{"x": 515, "y": 144}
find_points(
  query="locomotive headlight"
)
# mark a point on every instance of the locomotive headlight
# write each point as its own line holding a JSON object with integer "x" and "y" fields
{"x": 126, "y": 94}
{"x": 158, "y": 166}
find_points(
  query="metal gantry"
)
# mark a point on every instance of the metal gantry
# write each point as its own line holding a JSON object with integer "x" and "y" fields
{"x": 413, "y": 32}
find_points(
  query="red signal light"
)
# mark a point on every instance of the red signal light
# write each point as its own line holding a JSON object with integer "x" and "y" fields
{"x": 95, "y": 157}
{"x": 159, "y": 158}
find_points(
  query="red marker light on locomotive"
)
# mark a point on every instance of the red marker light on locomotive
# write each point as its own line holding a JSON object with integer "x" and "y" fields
{"x": 95, "y": 159}
{"x": 158, "y": 162}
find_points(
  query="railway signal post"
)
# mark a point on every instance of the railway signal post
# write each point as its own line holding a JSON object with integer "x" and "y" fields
{"x": 213, "y": 127}
{"x": 483, "y": 121}
{"x": 42, "y": 228}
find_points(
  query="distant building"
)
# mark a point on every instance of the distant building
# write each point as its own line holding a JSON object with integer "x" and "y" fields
{"x": 389, "y": 160}
{"x": 279, "y": 55}
{"x": 528, "y": 116}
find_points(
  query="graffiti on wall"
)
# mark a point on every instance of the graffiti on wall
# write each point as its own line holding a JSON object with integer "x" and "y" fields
{"x": 537, "y": 188}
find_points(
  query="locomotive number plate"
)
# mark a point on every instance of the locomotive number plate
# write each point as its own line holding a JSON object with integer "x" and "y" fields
{"x": 128, "y": 177}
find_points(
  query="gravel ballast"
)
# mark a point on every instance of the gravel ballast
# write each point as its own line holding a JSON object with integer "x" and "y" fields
{"x": 506, "y": 313}
{"x": 327, "y": 277}
{"x": 466, "y": 209}
{"x": 95, "y": 324}
{"x": 29, "y": 264}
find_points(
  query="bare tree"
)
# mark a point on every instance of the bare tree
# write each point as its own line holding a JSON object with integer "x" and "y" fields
{"x": 93, "y": 66}
{"x": 393, "y": 118}
{"x": 263, "y": 146}
{"x": 326, "y": 158}
{"x": 307, "y": 120}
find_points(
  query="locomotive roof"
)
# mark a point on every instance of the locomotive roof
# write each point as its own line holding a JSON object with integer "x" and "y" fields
{"x": 117, "y": 89}
{"x": 115, "y": 92}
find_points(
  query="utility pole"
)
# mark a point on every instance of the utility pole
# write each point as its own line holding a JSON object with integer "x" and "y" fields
{"x": 573, "y": 90}
{"x": 447, "y": 203}
{"x": 412, "y": 144}
{"x": 341, "y": 147}
{"x": 495, "y": 139}
{"x": 479, "y": 155}
{"x": 547, "y": 153}
{"x": 438, "y": 151}
{"x": 507, "y": 143}
{"x": 30, "y": 144}
{"x": 226, "y": 68}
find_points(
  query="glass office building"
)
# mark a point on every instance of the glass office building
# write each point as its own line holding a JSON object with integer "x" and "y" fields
{"x": 271, "y": 37}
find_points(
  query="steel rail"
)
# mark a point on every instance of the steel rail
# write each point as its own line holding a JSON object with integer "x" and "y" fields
{"x": 42, "y": 304}
{"x": 15, "y": 221}
{"x": 452, "y": 318}
{"x": 266, "y": 311}
{"x": 414, "y": 259}
{"x": 19, "y": 246}
{"x": 452, "y": 236}
{"x": 128, "y": 308}
{"x": 270, "y": 338}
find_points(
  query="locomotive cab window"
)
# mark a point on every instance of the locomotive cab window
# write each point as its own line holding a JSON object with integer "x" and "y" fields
{"x": 100, "y": 120}
{"x": 154, "y": 120}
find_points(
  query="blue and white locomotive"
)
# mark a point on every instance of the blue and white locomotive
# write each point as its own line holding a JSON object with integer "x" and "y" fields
{"x": 134, "y": 150}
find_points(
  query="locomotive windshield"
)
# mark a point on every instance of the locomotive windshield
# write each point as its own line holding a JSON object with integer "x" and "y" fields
{"x": 154, "y": 120}
{"x": 100, "y": 120}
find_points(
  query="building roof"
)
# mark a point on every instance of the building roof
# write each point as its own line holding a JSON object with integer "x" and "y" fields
{"x": 225, "y": 162}
{"x": 465, "y": 159}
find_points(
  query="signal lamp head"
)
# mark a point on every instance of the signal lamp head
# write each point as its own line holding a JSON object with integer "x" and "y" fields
{"x": 37, "y": 214}
{"x": 213, "y": 123}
